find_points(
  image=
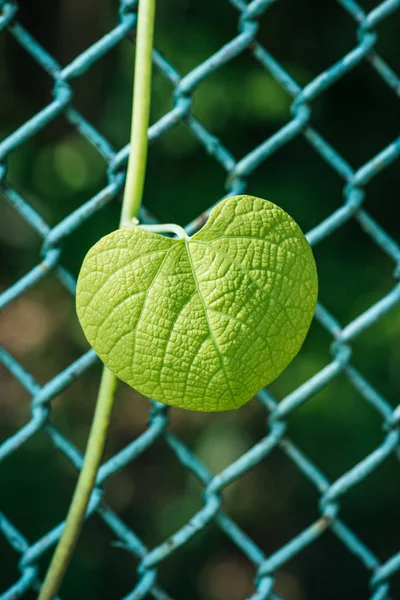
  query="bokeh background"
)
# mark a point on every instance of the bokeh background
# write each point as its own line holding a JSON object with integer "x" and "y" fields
{"x": 57, "y": 171}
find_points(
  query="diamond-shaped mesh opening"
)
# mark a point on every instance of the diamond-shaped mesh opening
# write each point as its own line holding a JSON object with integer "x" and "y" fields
{"x": 371, "y": 272}
{"x": 358, "y": 137}
{"x": 225, "y": 568}
{"x": 204, "y": 579}
{"x": 384, "y": 377}
{"x": 11, "y": 559}
{"x": 15, "y": 405}
{"x": 217, "y": 103}
{"x": 310, "y": 178}
{"x": 350, "y": 581}
{"x": 27, "y": 79}
{"x": 113, "y": 69}
{"x": 294, "y": 46}
{"x": 70, "y": 171}
{"x": 171, "y": 197}
{"x": 47, "y": 491}
{"x": 341, "y": 419}
{"x": 73, "y": 407}
{"x": 89, "y": 556}
{"x": 35, "y": 329}
{"x": 56, "y": 171}
{"x": 381, "y": 205}
{"x": 262, "y": 488}
{"x": 78, "y": 242}
{"x": 294, "y": 495}
{"x": 19, "y": 243}
{"x": 203, "y": 14}
{"x": 375, "y": 520}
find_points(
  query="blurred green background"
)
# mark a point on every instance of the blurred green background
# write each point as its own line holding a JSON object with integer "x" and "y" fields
{"x": 57, "y": 171}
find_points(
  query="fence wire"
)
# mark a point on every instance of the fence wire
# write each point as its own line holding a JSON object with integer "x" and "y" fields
{"x": 355, "y": 183}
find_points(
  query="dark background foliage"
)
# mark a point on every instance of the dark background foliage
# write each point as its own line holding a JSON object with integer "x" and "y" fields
{"x": 57, "y": 171}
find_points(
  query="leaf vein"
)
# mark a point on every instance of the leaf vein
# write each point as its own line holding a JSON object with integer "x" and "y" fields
{"x": 112, "y": 275}
{"x": 257, "y": 285}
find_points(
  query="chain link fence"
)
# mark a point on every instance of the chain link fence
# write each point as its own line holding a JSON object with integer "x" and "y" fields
{"x": 355, "y": 185}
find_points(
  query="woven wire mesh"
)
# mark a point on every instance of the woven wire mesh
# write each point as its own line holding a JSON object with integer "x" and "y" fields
{"x": 355, "y": 185}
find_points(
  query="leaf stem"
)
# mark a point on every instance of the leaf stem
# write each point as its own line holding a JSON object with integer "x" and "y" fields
{"x": 130, "y": 208}
{"x": 167, "y": 228}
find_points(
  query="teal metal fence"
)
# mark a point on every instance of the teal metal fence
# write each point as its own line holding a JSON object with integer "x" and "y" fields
{"x": 355, "y": 185}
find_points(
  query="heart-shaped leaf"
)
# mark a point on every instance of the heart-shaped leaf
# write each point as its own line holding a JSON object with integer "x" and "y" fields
{"x": 201, "y": 323}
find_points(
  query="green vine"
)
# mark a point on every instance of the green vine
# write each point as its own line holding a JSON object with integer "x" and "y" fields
{"x": 130, "y": 209}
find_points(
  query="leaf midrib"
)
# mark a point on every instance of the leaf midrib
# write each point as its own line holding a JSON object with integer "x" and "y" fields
{"x": 220, "y": 356}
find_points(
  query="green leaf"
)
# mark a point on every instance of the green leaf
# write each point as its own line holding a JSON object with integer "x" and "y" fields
{"x": 201, "y": 323}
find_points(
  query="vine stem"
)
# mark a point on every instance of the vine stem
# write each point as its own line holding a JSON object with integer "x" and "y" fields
{"x": 130, "y": 209}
